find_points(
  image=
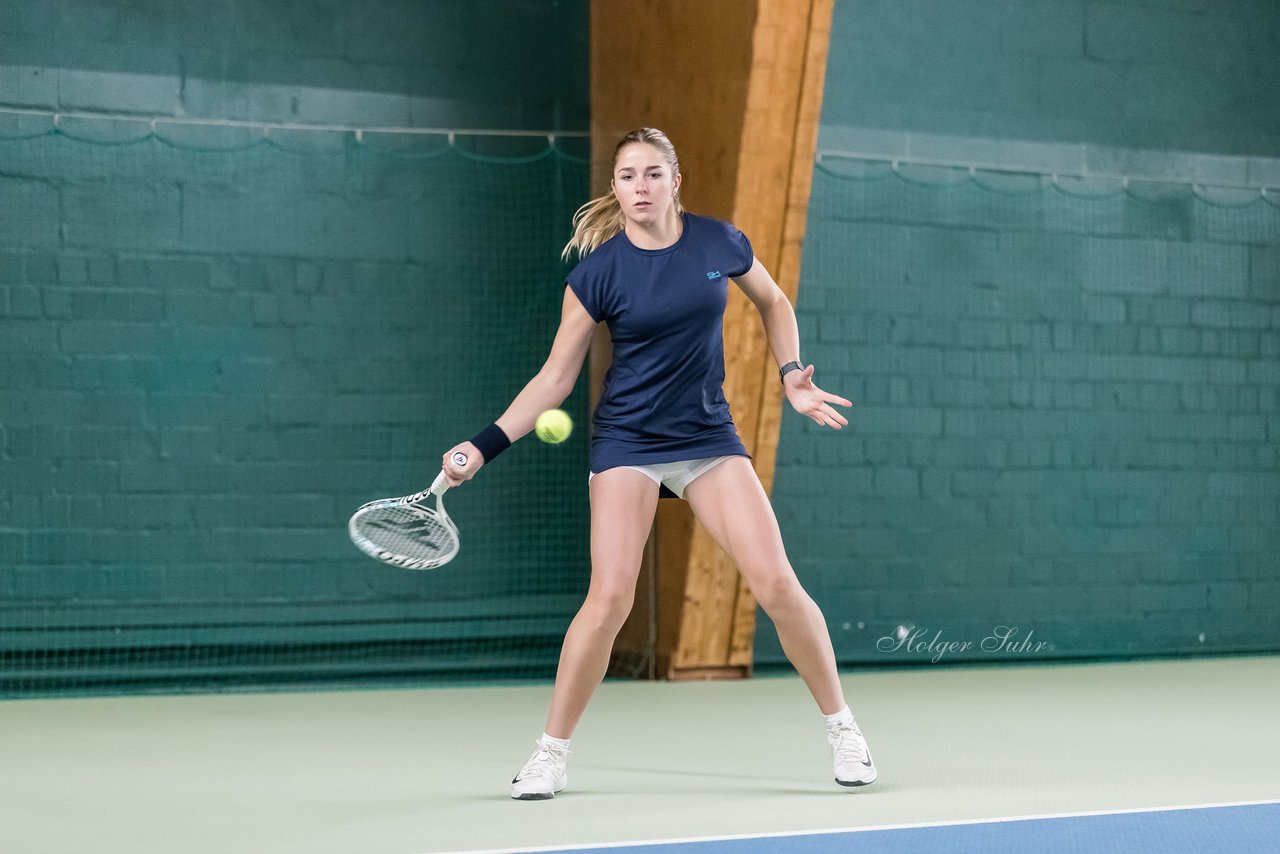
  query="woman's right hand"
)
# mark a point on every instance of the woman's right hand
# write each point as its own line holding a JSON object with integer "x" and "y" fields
{"x": 456, "y": 475}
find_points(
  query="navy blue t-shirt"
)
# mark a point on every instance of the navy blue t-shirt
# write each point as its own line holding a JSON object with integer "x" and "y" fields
{"x": 663, "y": 397}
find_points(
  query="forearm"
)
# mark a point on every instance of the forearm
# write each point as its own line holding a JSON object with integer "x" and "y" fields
{"x": 539, "y": 394}
{"x": 783, "y": 331}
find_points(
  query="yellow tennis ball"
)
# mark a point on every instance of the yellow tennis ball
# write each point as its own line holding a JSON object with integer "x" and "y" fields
{"x": 553, "y": 426}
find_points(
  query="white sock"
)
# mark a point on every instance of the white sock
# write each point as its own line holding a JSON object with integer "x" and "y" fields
{"x": 559, "y": 743}
{"x": 844, "y": 716}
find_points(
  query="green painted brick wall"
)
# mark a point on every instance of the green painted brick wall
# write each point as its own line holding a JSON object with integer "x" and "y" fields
{"x": 1066, "y": 393}
{"x": 1191, "y": 75}
{"x": 433, "y": 63}
{"x": 208, "y": 359}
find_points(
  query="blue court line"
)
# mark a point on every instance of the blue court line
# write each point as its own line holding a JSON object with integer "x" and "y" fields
{"x": 1252, "y": 828}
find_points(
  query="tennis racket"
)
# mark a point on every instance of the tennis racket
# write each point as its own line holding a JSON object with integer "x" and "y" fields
{"x": 403, "y": 532}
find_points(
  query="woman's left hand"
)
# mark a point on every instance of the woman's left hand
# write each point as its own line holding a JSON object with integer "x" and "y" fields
{"x": 812, "y": 401}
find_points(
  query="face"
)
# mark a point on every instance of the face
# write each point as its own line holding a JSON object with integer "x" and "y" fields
{"x": 644, "y": 183}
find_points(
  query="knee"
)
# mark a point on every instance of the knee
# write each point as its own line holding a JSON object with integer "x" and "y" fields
{"x": 608, "y": 607}
{"x": 776, "y": 590}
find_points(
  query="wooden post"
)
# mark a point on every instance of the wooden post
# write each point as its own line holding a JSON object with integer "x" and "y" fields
{"x": 737, "y": 86}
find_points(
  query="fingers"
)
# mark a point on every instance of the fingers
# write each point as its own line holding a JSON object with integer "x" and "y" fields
{"x": 832, "y": 398}
{"x": 806, "y": 379}
{"x": 829, "y": 418}
{"x": 455, "y": 472}
{"x": 816, "y": 403}
{"x": 835, "y": 416}
{"x": 825, "y": 416}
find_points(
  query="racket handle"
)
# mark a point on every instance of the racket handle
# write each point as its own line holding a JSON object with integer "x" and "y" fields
{"x": 439, "y": 487}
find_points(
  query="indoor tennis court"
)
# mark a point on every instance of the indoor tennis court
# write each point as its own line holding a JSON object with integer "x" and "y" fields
{"x": 262, "y": 265}
{"x": 969, "y": 756}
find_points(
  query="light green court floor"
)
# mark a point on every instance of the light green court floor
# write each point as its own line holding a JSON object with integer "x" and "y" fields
{"x": 427, "y": 770}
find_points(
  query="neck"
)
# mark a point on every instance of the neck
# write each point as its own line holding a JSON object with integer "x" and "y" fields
{"x": 656, "y": 235}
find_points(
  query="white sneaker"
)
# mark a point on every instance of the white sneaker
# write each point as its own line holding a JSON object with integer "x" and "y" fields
{"x": 853, "y": 765}
{"x": 542, "y": 776}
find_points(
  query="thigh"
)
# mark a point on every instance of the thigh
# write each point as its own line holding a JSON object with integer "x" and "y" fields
{"x": 623, "y": 504}
{"x": 732, "y": 505}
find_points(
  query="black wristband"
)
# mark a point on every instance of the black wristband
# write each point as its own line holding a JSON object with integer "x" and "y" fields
{"x": 788, "y": 368}
{"x": 491, "y": 441}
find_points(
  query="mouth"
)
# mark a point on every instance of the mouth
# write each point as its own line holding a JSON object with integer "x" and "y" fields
{"x": 642, "y": 204}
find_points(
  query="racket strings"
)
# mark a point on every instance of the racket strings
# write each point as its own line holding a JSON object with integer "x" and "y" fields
{"x": 416, "y": 533}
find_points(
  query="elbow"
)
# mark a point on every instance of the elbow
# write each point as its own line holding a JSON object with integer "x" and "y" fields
{"x": 776, "y": 301}
{"x": 780, "y": 296}
{"x": 558, "y": 384}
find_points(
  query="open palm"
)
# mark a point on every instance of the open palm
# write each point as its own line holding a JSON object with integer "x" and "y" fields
{"x": 808, "y": 399}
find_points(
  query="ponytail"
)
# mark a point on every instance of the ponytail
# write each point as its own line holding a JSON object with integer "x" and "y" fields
{"x": 593, "y": 224}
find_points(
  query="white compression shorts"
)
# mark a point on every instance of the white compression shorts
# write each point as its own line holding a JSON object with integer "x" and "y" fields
{"x": 678, "y": 475}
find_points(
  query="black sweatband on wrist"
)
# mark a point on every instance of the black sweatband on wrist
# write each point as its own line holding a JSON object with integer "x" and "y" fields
{"x": 788, "y": 368}
{"x": 491, "y": 441}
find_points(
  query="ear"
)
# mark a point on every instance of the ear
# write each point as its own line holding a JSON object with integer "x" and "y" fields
{"x": 675, "y": 185}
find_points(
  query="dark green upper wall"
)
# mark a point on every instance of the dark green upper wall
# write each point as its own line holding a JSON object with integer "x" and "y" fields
{"x": 1174, "y": 75}
{"x": 431, "y": 63}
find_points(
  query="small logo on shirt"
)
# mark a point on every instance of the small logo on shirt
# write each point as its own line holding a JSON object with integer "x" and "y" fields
{"x": 713, "y": 274}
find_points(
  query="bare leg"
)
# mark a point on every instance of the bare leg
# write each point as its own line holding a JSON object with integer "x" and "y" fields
{"x": 623, "y": 503}
{"x": 731, "y": 504}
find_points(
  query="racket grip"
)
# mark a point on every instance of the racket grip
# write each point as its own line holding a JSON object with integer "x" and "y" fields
{"x": 439, "y": 487}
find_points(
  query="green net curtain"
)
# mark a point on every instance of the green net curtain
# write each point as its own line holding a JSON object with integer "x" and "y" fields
{"x": 217, "y": 343}
{"x": 1066, "y": 413}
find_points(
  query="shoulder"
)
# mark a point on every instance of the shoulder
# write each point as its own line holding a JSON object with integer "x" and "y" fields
{"x": 708, "y": 227}
{"x": 597, "y": 262}
{"x": 600, "y": 257}
{"x": 725, "y": 241}
{"x": 716, "y": 231}
{"x": 711, "y": 224}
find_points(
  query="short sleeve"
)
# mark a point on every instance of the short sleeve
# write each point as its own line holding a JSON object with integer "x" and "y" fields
{"x": 586, "y": 287}
{"x": 739, "y": 252}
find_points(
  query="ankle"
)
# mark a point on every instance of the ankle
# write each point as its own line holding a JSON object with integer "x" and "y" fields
{"x": 552, "y": 741}
{"x": 844, "y": 716}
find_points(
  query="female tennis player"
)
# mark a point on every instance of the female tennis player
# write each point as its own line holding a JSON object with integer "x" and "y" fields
{"x": 657, "y": 275}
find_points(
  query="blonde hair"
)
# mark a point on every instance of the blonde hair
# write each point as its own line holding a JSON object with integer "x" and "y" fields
{"x": 602, "y": 217}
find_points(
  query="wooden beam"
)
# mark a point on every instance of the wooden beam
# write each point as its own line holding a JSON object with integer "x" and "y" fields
{"x": 786, "y": 269}
{"x": 737, "y": 86}
{"x": 779, "y": 137}
{"x": 653, "y": 65}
